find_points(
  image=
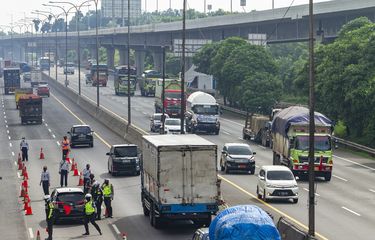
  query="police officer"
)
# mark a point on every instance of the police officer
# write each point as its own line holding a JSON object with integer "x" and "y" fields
{"x": 50, "y": 217}
{"x": 108, "y": 194}
{"x": 86, "y": 178}
{"x": 24, "y": 147}
{"x": 90, "y": 211}
{"x": 65, "y": 145}
{"x": 97, "y": 195}
{"x": 45, "y": 180}
{"x": 64, "y": 170}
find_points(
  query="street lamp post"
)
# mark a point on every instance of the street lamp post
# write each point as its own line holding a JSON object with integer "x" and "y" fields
{"x": 78, "y": 9}
{"x": 129, "y": 99}
{"x": 183, "y": 68}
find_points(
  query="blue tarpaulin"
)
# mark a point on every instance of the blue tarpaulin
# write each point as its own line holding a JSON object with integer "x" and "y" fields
{"x": 244, "y": 222}
{"x": 296, "y": 115}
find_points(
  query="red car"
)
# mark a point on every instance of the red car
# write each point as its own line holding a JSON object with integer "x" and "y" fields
{"x": 43, "y": 90}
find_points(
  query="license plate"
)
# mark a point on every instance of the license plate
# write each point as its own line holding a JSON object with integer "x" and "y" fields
{"x": 126, "y": 161}
{"x": 242, "y": 166}
{"x": 283, "y": 193}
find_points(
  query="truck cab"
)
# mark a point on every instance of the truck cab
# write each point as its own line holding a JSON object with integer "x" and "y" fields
{"x": 103, "y": 75}
{"x": 121, "y": 80}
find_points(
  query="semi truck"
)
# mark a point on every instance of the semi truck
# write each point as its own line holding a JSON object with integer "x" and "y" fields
{"x": 121, "y": 80}
{"x": 30, "y": 108}
{"x": 257, "y": 128}
{"x": 147, "y": 82}
{"x": 179, "y": 179}
{"x": 202, "y": 113}
{"x": 290, "y": 135}
{"x": 12, "y": 80}
{"x": 172, "y": 99}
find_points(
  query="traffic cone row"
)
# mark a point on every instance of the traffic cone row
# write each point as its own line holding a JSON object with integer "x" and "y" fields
{"x": 41, "y": 154}
{"x": 80, "y": 182}
{"x": 24, "y": 186}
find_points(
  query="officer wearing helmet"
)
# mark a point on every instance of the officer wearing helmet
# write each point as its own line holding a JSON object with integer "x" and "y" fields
{"x": 50, "y": 215}
{"x": 90, "y": 212}
{"x": 97, "y": 196}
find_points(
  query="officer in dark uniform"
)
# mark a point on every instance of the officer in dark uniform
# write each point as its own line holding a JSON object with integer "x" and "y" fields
{"x": 50, "y": 218}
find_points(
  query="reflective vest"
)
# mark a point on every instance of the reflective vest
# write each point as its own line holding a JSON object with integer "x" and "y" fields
{"x": 65, "y": 145}
{"x": 89, "y": 209}
{"x": 50, "y": 210}
{"x": 107, "y": 190}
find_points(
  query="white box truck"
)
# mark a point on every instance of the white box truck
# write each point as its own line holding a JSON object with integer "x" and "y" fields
{"x": 179, "y": 179}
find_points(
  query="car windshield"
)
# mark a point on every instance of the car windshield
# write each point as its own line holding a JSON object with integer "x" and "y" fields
{"x": 126, "y": 151}
{"x": 239, "y": 150}
{"x": 322, "y": 143}
{"x": 81, "y": 130}
{"x": 176, "y": 95}
{"x": 70, "y": 197}
{"x": 279, "y": 175}
{"x": 206, "y": 109}
{"x": 172, "y": 122}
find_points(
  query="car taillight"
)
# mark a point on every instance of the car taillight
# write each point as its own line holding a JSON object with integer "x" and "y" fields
{"x": 59, "y": 204}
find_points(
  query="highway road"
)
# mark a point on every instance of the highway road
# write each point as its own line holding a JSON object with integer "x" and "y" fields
{"x": 344, "y": 205}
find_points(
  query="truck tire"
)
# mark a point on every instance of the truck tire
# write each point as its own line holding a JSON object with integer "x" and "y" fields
{"x": 258, "y": 194}
{"x": 217, "y": 132}
{"x": 154, "y": 221}
{"x": 295, "y": 200}
{"x": 146, "y": 211}
{"x": 328, "y": 176}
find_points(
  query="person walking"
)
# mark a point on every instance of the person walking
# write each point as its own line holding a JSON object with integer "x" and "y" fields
{"x": 97, "y": 195}
{"x": 65, "y": 145}
{"x": 90, "y": 211}
{"x": 64, "y": 170}
{"x": 86, "y": 178}
{"x": 108, "y": 194}
{"x": 24, "y": 147}
{"x": 50, "y": 218}
{"x": 45, "y": 180}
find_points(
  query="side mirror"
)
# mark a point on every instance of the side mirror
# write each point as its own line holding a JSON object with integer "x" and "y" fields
{"x": 254, "y": 153}
{"x": 261, "y": 178}
{"x": 223, "y": 152}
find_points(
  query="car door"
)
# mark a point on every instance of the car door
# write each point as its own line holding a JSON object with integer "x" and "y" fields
{"x": 261, "y": 182}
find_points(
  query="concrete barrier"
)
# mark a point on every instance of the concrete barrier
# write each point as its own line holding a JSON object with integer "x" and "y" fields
{"x": 288, "y": 231}
{"x": 116, "y": 123}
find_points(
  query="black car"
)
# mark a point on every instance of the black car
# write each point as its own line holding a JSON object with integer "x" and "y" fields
{"x": 81, "y": 135}
{"x": 69, "y": 203}
{"x": 237, "y": 157}
{"x": 124, "y": 158}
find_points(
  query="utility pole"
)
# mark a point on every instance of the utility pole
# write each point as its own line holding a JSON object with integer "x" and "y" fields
{"x": 231, "y": 6}
{"x": 183, "y": 68}
{"x": 129, "y": 98}
{"x": 311, "y": 123}
{"x": 204, "y": 7}
{"x": 122, "y": 13}
{"x": 163, "y": 96}
{"x": 113, "y": 12}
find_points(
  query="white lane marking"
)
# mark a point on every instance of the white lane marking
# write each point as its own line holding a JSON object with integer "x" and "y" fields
{"x": 227, "y": 133}
{"x": 13, "y": 154}
{"x": 351, "y": 211}
{"x": 8, "y": 131}
{"x": 18, "y": 175}
{"x": 116, "y": 229}
{"x": 5, "y": 121}
{"x": 58, "y": 143}
{"x": 232, "y": 122}
{"x": 4, "y": 112}
{"x": 31, "y": 233}
{"x": 256, "y": 166}
{"x": 343, "y": 179}
{"x": 53, "y": 135}
{"x": 6, "y": 126}
{"x": 10, "y": 145}
{"x": 9, "y": 137}
{"x": 15, "y": 163}
{"x": 46, "y": 124}
{"x": 358, "y": 164}
{"x": 5, "y": 117}
{"x": 49, "y": 130}
{"x": 262, "y": 147}
{"x": 144, "y": 113}
{"x": 371, "y": 190}
{"x": 240, "y": 138}
{"x": 43, "y": 119}
{"x": 307, "y": 190}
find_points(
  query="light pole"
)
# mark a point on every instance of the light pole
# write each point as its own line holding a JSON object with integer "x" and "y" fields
{"x": 183, "y": 68}
{"x": 78, "y": 10}
{"x": 66, "y": 12}
{"x": 129, "y": 99}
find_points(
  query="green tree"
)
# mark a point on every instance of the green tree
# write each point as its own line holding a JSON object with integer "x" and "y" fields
{"x": 203, "y": 58}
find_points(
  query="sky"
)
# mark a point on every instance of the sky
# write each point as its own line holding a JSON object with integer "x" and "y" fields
{"x": 19, "y": 9}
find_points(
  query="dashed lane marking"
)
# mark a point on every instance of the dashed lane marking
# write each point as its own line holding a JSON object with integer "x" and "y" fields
{"x": 10, "y": 145}
{"x": 372, "y": 190}
{"x": 5, "y": 121}
{"x": 307, "y": 190}
{"x": 343, "y": 179}
{"x": 227, "y": 120}
{"x": 31, "y": 233}
{"x": 49, "y": 130}
{"x": 6, "y": 126}
{"x": 223, "y": 178}
{"x": 7, "y": 131}
{"x": 46, "y": 124}
{"x": 18, "y": 175}
{"x": 225, "y": 132}
{"x": 13, "y": 154}
{"x": 53, "y": 135}
{"x": 116, "y": 229}
{"x": 351, "y": 211}
{"x": 9, "y": 137}
{"x": 15, "y": 163}
{"x": 58, "y": 144}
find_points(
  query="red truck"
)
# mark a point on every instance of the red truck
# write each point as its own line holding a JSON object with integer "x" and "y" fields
{"x": 172, "y": 100}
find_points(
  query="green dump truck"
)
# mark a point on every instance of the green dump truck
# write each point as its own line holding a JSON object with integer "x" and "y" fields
{"x": 121, "y": 80}
{"x": 147, "y": 82}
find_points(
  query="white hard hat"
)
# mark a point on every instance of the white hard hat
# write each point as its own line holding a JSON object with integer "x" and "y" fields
{"x": 88, "y": 195}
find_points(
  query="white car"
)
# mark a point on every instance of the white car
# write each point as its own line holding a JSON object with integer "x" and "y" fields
{"x": 172, "y": 126}
{"x": 69, "y": 68}
{"x": 277, "y": 182}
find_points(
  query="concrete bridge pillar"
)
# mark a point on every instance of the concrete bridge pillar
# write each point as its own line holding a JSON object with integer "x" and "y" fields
{"x": 123, "y": 52}
{"x": 140, "y": 55}
{"x": 157, "y": 56}
{"x": 110, "y": 57}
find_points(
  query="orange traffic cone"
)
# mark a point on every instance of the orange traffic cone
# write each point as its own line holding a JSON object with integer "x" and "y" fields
{"x": 80, "y": 182}
{"x": 20, "y": 165}
{"x": 41, "y": 154}
{"x": 26, "y": 205}
{"x": 26, "y": 197}
{"x": 29, "y": 211}
{"x": 22, "y": 194}
{"x": 37, "y": 235}
{"x": 68, "y": 160}
{"x": 23, "y": 169}
{"x": 25, "y": 183}
{"x": 76, "y": 173}
{"x": 74, "y": 166}
{"x": 124, "y": 236}
{"x": 19, "y": 157}
{"x": 25, "y": 175}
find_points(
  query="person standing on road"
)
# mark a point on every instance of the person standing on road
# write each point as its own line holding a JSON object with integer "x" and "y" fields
{"x": 108, "y": 194}
{"x": 64, "y": 170}
{"x": 90, "y": 211}
{"x": 97, "y": 195}
{"x": 50, "y": 218}
{"x": 24, "y": 147}
{"x": 65, "y": 145}
{"x": 86, "y": 178}
{"x": 45, "y": 180}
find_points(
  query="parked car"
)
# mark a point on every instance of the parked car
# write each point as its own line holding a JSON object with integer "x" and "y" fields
{"x": 69, "y": 203}
{"x": 69, "y": 68}
{"x": 27, "y": 77}
{"x": 81, "y": 135}
{"x": 172, "y": 126}
{"x": 237, "y": 156}
{"x": 201, "y": 234}
{"x": 277, "y": 182}
{"x": 156, "y": 122}
{"x": 123, "y": 158}
{"x": 43, "y": 90}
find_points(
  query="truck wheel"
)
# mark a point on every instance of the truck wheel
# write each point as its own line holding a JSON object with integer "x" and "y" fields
{"x": 226, "y": 168}
{"x": 154, "y": 221}
{"x": 109, "y": 169}
{"x": 295, "y": 200}
{"x": 328, "y": 176}
{"x": 264, "y": 196}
